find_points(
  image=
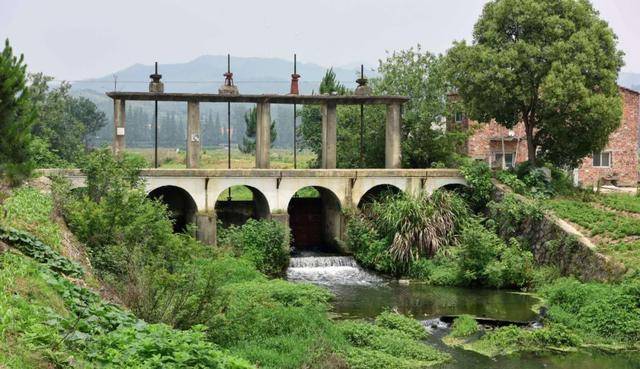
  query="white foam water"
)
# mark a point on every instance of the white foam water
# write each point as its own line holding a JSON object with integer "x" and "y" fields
{"x": 329, "y": 270}
{"x": 432, "y": 325}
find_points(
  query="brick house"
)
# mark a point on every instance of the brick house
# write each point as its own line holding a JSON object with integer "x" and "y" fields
{"x": 617, "y": 163}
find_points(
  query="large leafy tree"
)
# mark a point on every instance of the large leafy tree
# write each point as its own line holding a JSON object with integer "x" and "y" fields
{"x": 420, "y": 76}
{"x": 551, "y": 64}
{"x": 248, "y": 144}
{"x": 414, "y": 73}
{"x": 16, "y": 117}
{"x": 64, "y": 123}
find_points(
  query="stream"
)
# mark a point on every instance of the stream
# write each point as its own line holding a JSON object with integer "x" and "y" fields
{"x": 362, "y": 294}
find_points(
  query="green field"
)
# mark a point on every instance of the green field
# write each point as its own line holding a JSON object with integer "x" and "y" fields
{"x": 216, "y": 158}
{"x": 610, "y": 220}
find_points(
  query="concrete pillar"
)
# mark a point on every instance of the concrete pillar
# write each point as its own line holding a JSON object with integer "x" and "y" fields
{"x": 281, "y": 218}
{"x": 194, "y": 147}
{"x": 329, "y": 134}
{"x": 263, "y": 135}
{"x": 393, "y": 155}
{"x": 118, "y": 123}
{"x": 206, "y": 231}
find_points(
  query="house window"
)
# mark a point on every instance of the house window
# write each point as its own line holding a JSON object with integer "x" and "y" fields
{"x": 459, "y": 117}
{"x": 508, "y": 160}
{"x": 602, "y": 159}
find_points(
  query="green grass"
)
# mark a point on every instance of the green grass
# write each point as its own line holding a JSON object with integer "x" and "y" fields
{"x": 615, "y": 232}
{"x": 216, "y": 158}
{"x": 29, "y": 210}
{"x": 620, "y": 201}
{"x": 598, "y": 221}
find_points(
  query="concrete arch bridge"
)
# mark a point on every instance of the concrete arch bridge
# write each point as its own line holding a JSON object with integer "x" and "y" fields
{"x": 199, "y": 195}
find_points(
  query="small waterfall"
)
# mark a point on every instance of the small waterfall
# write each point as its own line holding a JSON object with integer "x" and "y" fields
{"x": 329, "y": 270}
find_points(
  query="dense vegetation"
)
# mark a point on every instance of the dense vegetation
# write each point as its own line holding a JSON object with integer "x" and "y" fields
{"x": 551, "y": 65}
{"x": 437, "y": 238}
{"x": 217, "y": 297}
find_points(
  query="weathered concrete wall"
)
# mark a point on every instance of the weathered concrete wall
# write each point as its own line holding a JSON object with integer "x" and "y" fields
{"x": 206, "y": 231}
{"x": 273, "y": 189}
{"x": 555, "y": 242}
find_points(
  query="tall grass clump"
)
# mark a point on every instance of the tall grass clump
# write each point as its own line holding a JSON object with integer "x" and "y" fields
{"x": 400, "y": 229}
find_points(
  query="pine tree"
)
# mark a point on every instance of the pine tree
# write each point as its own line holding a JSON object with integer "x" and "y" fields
{"x": 248, "y": 144}
{"x": 16, "y": 118}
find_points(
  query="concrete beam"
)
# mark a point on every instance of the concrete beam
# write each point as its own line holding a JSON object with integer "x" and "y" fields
{"x": 119, "y": 113}
{"x": 263, "y": 135}
{"x": 329, "y": 135}
{"x": 194, "y": 147}
{"x": 262, "y": 98}
{"x": 393, "y": 153}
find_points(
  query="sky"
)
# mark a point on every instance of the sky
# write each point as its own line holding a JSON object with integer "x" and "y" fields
{"x": 77, "y": 39}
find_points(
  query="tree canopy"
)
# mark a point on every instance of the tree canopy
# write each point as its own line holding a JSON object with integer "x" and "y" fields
{"x": 248, "y": 144}
{"x": 414, "y": 73}
{"x": 16, "y": 117}
{"x": 64, "y": 124}
{"x": 551, "y": 64}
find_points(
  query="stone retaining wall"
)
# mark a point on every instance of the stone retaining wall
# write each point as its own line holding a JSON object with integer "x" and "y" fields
{"x": 556, "y": 242}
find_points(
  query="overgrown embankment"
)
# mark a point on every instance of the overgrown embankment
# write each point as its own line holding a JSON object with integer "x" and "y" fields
{"x": 491, "y": 237}
{"x": 187, "y": 305}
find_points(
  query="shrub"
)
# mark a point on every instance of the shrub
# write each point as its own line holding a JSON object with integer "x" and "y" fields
{"x": 159, "y": 346}
{"x": 274, "y": 323}
{"x": 600, "y": 311}
{"x": 511, "y": 179}
{"x": 392, "y": 234}
{"x": 264, "y": 242}
{"x": 512, "y": 214}
{"x": 369, "y": 249}
{"x": 464, "y": 326}
{"x": 478, "y": 177}
{"x": 129, "y": 238}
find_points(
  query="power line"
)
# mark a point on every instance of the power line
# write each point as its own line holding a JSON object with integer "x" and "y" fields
{"x": 193, "y": 82}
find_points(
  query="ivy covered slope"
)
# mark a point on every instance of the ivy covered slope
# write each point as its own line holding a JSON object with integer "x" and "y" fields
{"x": 47, "y": 321}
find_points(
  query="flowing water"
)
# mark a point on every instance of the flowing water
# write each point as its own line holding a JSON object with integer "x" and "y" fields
{"x": 362, "y": 294}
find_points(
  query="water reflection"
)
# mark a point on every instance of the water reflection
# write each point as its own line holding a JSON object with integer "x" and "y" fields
{"x": 424, "y": 301}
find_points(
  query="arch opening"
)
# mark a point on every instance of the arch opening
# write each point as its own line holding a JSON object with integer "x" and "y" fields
{"x": 237, "y": 204}
{"x": 457, "y": 188}
{"x": 315, "y": 220}
{"x": 377, "y": 193}
{"x": 181, "y": 205}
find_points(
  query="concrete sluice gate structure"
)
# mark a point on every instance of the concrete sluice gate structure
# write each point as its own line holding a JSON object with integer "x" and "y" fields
{"x": 194, "y": 195}
{"x": 197, "y": 195}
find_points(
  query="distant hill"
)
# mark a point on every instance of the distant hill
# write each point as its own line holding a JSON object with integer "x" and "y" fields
{"x": 201, "y": 75}
{"x": 630, "y": 80}
{"x": 205, "y": 74}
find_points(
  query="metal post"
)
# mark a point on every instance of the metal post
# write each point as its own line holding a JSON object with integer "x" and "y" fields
{"x": 295, "y": 133}
{"x": 295, "y": 136}
{"x": 155, "y": 121}
{"x": 229, "y": 121}
{"x": 229, "y": 143}
{"x": 361, "y": 136}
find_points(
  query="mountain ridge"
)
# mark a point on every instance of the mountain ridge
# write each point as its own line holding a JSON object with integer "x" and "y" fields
{"x": 205, "y": 74}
